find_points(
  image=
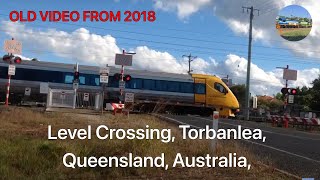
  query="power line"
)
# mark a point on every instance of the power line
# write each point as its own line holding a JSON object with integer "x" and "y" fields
{"x": 267, "y": 56}
{"x": 175, "y": 44}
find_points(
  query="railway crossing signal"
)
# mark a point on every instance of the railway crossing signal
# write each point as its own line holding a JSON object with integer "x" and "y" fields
{"x": 126, "y": 78}
{"x": 289, "y": 91}
{"x": 12, "y": 59}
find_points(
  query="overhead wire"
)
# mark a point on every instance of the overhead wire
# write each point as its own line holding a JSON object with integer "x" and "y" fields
{"x": 182, "y": 50}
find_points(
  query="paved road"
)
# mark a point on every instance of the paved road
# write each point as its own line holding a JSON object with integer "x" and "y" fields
{"x": 289, "y": 150}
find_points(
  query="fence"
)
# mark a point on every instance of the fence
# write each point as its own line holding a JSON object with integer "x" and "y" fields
{"x": 60, "y": 98}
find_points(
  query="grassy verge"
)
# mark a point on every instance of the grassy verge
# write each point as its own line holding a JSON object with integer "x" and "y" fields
{"x": 26, "y": 153}
{"x": 295, "y": 34}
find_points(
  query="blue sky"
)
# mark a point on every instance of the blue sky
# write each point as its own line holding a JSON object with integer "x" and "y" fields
{"x": 202, "y": 33}
{"x": 296, "y": 11}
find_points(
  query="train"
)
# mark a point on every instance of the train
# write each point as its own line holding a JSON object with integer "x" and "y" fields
{"x": 180, "y": 93}
{"x": 282, "y": 22}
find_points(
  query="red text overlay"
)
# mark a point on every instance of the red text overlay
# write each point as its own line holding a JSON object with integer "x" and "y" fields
{"x": 75, "y": 16}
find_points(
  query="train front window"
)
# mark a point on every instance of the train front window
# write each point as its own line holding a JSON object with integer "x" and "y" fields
{"x": 199, "y": 88}
{"x": 219, "y": 87}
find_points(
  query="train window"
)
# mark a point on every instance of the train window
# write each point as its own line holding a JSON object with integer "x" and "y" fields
{"x": 113, "y": 82}
{"x": 149, "y": 84}
{"x": 173, "y": 86}
{"x": 186, "y": 87}
{"x": 82, "y": 80}
{"x": 134, "y": 84}
{"x": 96, "y": 81}
{"x": 68, "y": 79}
{"x": 3, "y": 72}
{"x": 161, "y": 85}
{"x": 199, "y": 88}
{"x": 219, "y": 87}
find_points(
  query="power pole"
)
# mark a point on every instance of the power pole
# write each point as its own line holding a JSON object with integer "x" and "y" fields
{"x": 247, "y": 103}
{"x": 190, "y": 59}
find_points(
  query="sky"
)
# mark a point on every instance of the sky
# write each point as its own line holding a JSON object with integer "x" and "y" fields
{"x": 216, "y": 31}
{"x": 296, "y": 11}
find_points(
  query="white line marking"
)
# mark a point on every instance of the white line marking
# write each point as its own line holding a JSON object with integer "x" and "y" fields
{"x": 283, "y": 151}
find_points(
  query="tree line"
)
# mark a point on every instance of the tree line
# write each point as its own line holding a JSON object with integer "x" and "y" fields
{"x": 307, "y": 98}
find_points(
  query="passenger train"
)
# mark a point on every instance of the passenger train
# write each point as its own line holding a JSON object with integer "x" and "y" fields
{"x": 199, "y": 94}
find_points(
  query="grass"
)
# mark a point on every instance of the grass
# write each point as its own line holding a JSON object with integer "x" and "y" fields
{"x": 26, "y": 153}
{"x": 294, "y": 34}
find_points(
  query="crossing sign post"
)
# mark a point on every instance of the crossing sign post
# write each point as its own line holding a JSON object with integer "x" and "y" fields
{"x": 104, "y": 79}
{"x": 104, "y": 75}
{"x": 122, "y": 84}
{"x": 11, "y": 70}
{"x": 291, "y": 99}
{"x": 129, "y": 98}
{"x": 13, "y": 46}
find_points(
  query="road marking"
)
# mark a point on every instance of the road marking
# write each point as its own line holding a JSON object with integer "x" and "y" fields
{"x": 304, "y": 138}
{"x": 273, "y": 148}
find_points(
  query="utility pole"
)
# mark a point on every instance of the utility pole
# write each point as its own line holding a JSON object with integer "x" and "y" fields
{"x": 247, "y": 103}
{"x": 190, "y": 59}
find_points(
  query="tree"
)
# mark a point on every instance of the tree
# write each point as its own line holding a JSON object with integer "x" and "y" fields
{"x": 279, "y": 96}
{"x": 314, "y": 95}
{"x": 240, "y": 92}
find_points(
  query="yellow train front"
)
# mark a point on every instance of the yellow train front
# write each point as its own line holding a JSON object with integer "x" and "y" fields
{"x": 213, "y": 93}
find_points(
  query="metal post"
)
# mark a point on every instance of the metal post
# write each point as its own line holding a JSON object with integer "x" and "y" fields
{"x": 215, "y": 126}
{"x": 75, "y": 89}
{"x": 247, "y": 103}
{"x": 8, "y": 90}
{"x": 286, "y": 96}
{"x": 121, "y": 78}
{"x": 103, "y": 88}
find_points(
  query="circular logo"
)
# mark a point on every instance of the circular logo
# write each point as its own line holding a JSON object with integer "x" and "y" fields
{"x": 294, "y": 23}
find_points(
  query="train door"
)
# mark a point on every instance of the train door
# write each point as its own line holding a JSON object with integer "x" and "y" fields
{"x": 200, "y": 91}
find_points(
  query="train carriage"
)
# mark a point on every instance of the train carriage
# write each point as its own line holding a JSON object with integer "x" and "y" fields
{"x": 180, "y": 92}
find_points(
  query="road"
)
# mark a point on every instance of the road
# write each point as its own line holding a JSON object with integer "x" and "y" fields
{"x": 289, "y": 150}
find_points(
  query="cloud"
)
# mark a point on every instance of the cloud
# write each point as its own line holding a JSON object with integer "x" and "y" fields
{"x": 88, "y": 48}
{"x": 230, "y": 11}
{"x": 79, "y": 45}
{"x": 183, "y": 8}
{"x": 153, "y": 60}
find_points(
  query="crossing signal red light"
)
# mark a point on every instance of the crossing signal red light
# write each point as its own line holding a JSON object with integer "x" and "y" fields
{"x": 12, "y": 59}
{"x": 290, "y": 91}
{"x": 17, "y": 60}
{"x": 127, "y": 78}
